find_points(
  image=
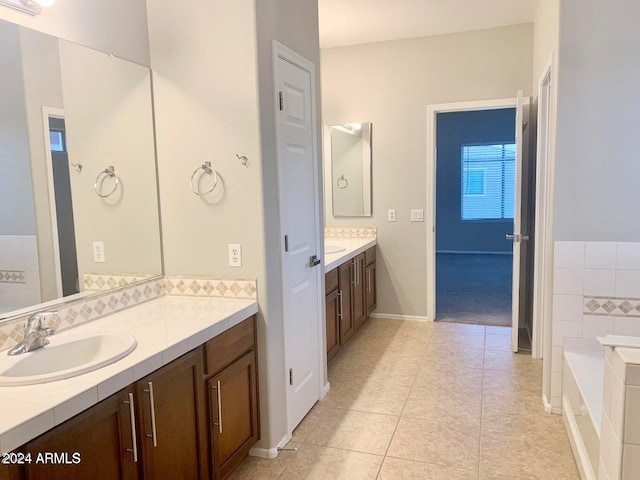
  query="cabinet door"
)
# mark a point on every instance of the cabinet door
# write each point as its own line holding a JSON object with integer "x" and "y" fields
{"x": 172, "y": 415}
{"x": 345, "y": 277}
{"x": 233, "y": 414}
{"x": 10, "y": 472}
{"x": 370, "y": 288}
{"x": 332, "y": 323}
{"x": 357, "y": 292}
{"x": 103, "y": 438}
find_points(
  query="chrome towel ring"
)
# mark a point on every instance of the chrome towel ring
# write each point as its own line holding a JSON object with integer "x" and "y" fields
{"x": 206, "y": 168}
{"x": 110, "y": 172}
{"x": 342, "y": 182}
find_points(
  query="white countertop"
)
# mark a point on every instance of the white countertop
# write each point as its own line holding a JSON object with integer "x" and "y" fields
{"x": 629, "y": 355}
{"x": 164, "y": 329}
{"x": 353, "y": 247}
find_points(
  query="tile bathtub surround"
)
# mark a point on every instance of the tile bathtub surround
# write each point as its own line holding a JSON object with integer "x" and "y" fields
{"x": 109, "y": 281}
{"x": 596, "y": 291}
{"x": 19, "y": 272}
{"x": 338, "y": 232}
{"x": 244, "y": 288}
{"x": 12, "y": 276}
{"x": 430, "y": 401}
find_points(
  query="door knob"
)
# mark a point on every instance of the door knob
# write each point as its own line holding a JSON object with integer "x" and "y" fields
{"x": 314, "y": 261}
{"x": 516, "y": 237}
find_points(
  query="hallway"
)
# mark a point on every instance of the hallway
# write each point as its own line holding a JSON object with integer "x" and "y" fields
{"x": 416, "y": 400}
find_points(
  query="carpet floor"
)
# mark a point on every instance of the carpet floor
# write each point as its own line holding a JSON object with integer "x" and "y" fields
{"x": 473, "y": 288}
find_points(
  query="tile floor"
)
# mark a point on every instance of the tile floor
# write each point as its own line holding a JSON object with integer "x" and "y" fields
{"x": 414, "y": 400}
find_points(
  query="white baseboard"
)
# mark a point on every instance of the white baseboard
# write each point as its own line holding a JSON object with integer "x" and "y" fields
{"x": 547, "y": 405}
{"x": 270, "y": 453}
{"x": 393, "y": 316}
{"x": 325, "y": 390}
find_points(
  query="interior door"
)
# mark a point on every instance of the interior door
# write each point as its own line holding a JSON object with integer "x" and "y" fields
{"x": 300, "y": 236}
{"x": 518, "y": 237}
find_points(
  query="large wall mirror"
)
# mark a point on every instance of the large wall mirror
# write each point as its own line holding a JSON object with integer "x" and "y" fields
{"x": 78, "y": 190}
{"x": 351, "y": 169}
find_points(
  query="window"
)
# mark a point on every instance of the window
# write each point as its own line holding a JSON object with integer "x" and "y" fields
{"x": 56, "y": 138}
{"x": 488, "y": 177}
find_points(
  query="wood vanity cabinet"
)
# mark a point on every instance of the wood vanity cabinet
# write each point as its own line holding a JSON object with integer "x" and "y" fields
{"x": 170, "y": 439}
{"x": 332, "y": 311}
{"x": 370, "y": 280}
{"x": 10, "y": 472}
{"x": 357, "y": 292}
{"x": 232, "y": 392}
{"x": 345, "y": 278}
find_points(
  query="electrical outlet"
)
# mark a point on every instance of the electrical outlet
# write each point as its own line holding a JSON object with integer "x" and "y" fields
{"x": 391, "y": 215}
{"x": 98, "y": 252}
{"x": 235, "y": 255}
{"x": 417, "y": 215}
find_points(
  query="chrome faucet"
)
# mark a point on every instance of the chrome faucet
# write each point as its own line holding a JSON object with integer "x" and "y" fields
{"x": 35, "y": 335}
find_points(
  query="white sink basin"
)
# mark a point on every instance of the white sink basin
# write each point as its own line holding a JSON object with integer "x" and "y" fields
{"x": 68, "y": 355}
{"x": 333, "y": 249}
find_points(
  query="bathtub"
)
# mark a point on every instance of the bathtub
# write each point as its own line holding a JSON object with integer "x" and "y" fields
{"x": 582, "y": 395}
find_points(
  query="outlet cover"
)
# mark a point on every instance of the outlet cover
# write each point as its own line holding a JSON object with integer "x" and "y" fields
{"x": 98, "y": 252}
{"x": 417, "y": 215}
{"x": 391, "y": 215}
{"x": 235, "y": 255}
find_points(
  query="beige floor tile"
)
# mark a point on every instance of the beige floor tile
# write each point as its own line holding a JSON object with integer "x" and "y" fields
{"x": 357, "y": 431}
{"x": 307, "y": 424}
{"x": 346, "y": 360}
{"x": 498, "y": 342}
{"x": 507, "y": 360}
{"x": 457, "y": 339}
{"x": 399, "y": 469}
{"x": 387, "y": 397}
{"x": 452, "y": 355}
{"x": 493, "y": 476}
{"x": 393, "y": 345}
{"x": 255, "y": 468}
{"x": 499, "y": 330}
{"x": 377, "y": 373}
{"x": 513, "y": 452}
{"x": 313, "y": 462}
{"x": 434, "y": 405}
{"x": 461, "y": 327}
{"x": 442, "y": 375}
{"x": 450, "y": 442}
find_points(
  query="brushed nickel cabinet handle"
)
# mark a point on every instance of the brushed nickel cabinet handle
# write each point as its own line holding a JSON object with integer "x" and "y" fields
{"x": 134, "y": 435}
{"x": 353, "y": 271}
{"x": 218, "y": 390}
{"x": 340, "y": 311}
{"x": 369, "y": 281}
{"x": 152, "y": 406}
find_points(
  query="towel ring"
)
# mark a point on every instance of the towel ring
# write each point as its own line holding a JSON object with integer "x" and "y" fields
{"x": 342, "y": 182}
{"x": 206, "y": 168}
{"x": 110, "y": 171}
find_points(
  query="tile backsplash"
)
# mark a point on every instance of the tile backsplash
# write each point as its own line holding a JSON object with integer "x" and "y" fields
{"x": 339, "y": 232}
{"x": 98, "y": 305}
{"x": 108, "y": 281}
{"x": 596, "y": 291}
{"x": 19, "y": 272}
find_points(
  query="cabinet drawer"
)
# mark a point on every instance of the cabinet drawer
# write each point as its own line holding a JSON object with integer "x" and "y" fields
{"x": 331, "y": 281}
{"x": 227, "y": 347}
{"x": 369, "y": 256}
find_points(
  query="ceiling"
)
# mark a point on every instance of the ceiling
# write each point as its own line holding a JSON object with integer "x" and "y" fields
{"x": 353, "y": 22}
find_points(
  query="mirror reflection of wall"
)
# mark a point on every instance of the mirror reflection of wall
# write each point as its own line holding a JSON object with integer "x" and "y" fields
{"x": 68, "y": 112}
{"x": 351, "y": 169}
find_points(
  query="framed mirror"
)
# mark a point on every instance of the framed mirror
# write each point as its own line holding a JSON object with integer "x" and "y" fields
{"x": 351, "y": 169}
{"x": 78, "y": 190}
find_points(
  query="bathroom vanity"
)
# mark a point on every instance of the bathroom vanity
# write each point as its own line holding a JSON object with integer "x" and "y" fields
{"x": 350, "y": 286}
{"x": 162, "y": 413}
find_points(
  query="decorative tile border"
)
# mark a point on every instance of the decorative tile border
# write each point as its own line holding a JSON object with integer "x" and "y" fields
{"x": 195, "y": 286}
{"x": 12, "y": 276}
{"x": 612, "y": 306}
{"x": 108, "y": 281}
{"x": 337, "y": 232}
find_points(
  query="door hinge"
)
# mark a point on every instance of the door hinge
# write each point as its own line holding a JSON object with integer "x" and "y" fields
{"x": 286, "y": 243}
{"x": 281, "y": 101}
{"x": 291, "y": 376}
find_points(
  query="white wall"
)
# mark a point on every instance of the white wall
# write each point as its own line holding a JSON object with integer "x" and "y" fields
{"x": 545, "y": 37}
{"x": 396, "y": 81}
{"x": 116, "y": 26}
{"x": 108, "y": 117}
{"x": 597, "y": 194}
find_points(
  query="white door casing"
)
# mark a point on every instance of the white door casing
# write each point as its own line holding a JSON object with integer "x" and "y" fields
{"x": 296, "y": 140}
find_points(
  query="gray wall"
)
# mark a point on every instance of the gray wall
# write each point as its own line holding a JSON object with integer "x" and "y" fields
{"x": 597, "y": 165}
{"x": 394, "y": 83}
{"x": 17, "y": 215}
{"x": 454, "y": 130}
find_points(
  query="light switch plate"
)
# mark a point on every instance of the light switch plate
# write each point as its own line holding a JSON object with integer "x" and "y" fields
{"x": 391, "y": 215}
{"x": 417, "y": 215}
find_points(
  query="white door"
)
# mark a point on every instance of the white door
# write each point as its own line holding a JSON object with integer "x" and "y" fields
{"x": 297, "y": 160}
{"x": 517, "y": 235}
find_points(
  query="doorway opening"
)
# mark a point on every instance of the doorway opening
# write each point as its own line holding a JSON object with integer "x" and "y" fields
{"x": 475, "y": 178}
